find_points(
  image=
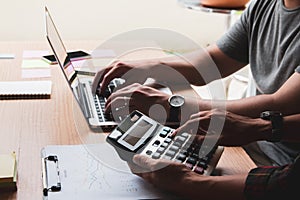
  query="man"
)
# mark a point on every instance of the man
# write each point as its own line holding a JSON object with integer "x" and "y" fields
{"x": 266, "y": 36}
{"x": 266, "y": 182}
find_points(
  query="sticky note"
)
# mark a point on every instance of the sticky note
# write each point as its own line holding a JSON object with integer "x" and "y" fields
{"x": 36, "y": 73}
{"x": 7, "y": 168}
{"x": 34, "y": 53}
{"x": 103, "y": 53}
{"x": 38, "y": 63}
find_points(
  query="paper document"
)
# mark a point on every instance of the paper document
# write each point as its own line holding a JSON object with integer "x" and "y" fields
{"x": 82, "y": 176}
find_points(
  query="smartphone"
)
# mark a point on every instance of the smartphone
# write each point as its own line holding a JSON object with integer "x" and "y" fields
{"x": 74, "y": 55}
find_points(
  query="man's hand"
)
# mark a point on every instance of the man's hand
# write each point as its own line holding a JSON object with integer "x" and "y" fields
{"x": 237, "y": 130}
{"x": 164, "y": 174}
{"x": 147, "y": 100}
{"x": 130, "y": 71}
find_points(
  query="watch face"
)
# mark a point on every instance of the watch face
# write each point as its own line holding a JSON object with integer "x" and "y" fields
{"x": 176, "y": 101}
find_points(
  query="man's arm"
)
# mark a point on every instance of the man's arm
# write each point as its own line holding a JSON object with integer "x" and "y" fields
{"x": 178, "y": 179}
{"x": 273, "y": 182}
{"x": 198, "y": 68}
{"x": 285, "y": 100}
{"x": 261, "y": 183}
{"x": 238, "y": 130}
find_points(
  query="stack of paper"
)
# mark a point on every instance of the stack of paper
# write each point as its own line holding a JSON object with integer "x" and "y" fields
{"x": 8, "y": 172}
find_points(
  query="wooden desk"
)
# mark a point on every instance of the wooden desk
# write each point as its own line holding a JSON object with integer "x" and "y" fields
{"x": 29, "y": 125}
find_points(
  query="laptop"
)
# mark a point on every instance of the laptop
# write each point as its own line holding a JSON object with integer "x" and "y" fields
{"x": 91, "y": 105}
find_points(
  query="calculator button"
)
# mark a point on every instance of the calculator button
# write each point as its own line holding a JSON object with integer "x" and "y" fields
{"x": 167, "y": 130}
{"x": 199, "y": 170}
{"x": 185, "y": 135}
{"x": 115, "y": 134}
{"x": 191, "y": 161}
{"x": 163, "y": 134}
{"x": 165, "y": 145}
{"x": 149, "y": 152}
{"x": 189, "y": 165}
{"x": 171, "y": 153}
{"x": 181, "y": 157}
{"x": 174, "y": 148}
{"x": 168, "y": 140}
{"x": 161, "y": 149}
{"x": 156, "y": 143}
{"x": 202, "y": 164}
{"x": 180, "y": 139}
{"x": 195, "y": 155}
{"x": 156, "y": 155}
{"x": 184, "y": 152}
{"x": 177, "y": 144}
{"x": 167, "y": 157}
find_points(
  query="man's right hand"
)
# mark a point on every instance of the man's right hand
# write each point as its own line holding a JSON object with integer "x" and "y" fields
{"x": 130, "y": 71}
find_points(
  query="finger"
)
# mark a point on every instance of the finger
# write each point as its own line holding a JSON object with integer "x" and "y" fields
{"x": 136, "y": 169}
{"x": 143, "y": 161}
{"x": 115, "y": 72}
{"x": 200, "y": 114}
{"x": 123, "y": 92}
{"x": 150, "y": 164}
{"x": 117, "y": 103}
{"x": 191, "y": 126}
{"x": 118, "y": 99}
{"x": 127, "y": 88}
{"x": 98, "y": 78}
{"x": 127, "y": 83}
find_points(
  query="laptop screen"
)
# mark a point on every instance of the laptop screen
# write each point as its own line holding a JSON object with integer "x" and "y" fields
{"x": 58, "y": 48}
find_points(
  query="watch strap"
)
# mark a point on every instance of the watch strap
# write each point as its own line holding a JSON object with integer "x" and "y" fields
{"x": 174, "y": 114}
{"x": 277, "y": 123}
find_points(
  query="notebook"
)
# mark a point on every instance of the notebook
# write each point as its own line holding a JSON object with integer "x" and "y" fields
{"x": 25, "y": 89}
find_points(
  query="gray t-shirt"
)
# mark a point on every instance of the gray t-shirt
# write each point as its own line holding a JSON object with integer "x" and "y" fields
{"x": 267, "y": 36}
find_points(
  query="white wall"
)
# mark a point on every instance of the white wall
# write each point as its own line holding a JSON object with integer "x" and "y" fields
{"x": 100, "y": 19}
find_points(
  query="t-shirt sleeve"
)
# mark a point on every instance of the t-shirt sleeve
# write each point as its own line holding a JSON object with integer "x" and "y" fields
{"x": 234, "y": 43}
{"x": 273, "y": 182}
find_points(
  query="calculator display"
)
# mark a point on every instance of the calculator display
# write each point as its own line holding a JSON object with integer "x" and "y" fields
{"x": 138, "y": 132}
{"x": 129, "y": 122}
{"x": 135, "y": 131}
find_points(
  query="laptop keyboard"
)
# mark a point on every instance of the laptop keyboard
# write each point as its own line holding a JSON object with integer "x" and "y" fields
{"x": 100, "y": 107}
{"x": 101, "y": 100}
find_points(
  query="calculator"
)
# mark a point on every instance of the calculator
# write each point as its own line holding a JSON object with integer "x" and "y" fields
{"x": 139, "y": 134}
